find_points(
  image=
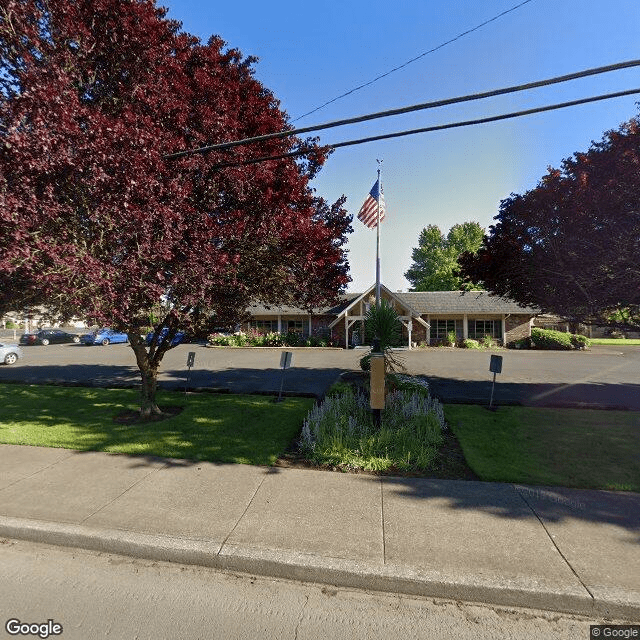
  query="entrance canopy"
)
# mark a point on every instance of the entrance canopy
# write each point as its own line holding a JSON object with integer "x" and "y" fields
{"x": 355, "y": 312}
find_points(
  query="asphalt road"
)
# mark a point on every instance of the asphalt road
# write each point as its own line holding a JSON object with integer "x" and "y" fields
{"x": 603, "y": 377}
{"x": 93, "y": 595}
{"x": 238, "y": 370}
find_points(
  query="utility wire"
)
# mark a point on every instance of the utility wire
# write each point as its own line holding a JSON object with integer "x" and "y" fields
{"x": 223, "y": 146}
{"x": 440, "y": 46}
{"x": 440, "y": 127}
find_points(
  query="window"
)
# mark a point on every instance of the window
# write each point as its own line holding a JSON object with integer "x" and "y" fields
{"x": 478, "y": 329}
{"x": 295, "y": 326}
{"x": 266, "y": 326}
{"x": 440, "y": 329}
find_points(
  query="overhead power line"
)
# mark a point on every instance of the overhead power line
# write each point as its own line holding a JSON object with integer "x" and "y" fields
{"x": 440, "y": 127}
{"x": 223, "y": 146}
{"x": 408, "y": 62}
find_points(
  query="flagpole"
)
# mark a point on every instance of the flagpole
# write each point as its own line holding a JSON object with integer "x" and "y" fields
{"x": 378, "y": 239}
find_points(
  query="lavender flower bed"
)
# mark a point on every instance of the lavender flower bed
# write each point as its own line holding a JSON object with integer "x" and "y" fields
{"x": 341, "y": 432}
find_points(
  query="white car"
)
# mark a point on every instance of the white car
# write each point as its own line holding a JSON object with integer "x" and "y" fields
{"x": 9, "y": 353}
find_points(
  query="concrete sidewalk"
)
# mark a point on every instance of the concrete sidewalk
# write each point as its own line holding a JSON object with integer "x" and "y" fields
{"x": 563, "y": 550}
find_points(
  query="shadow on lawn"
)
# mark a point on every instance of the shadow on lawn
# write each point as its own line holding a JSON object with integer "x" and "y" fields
{"x": 235, "y": 431}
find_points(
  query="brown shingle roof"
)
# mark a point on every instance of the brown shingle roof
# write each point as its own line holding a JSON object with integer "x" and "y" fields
{"x": 446, "y": 302}
{"x": 260, "y": 309}
{"x": 424, "y": 302}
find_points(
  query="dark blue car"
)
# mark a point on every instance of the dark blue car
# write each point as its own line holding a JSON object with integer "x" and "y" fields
{"x": 177, "y": 339}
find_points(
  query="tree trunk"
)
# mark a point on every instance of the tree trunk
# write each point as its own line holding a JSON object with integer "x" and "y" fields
{"x": 148, "y": 365}
{"x": 148, "y": 406}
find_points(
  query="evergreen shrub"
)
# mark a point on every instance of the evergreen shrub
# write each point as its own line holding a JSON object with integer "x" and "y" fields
{"x": 550, "y": 339}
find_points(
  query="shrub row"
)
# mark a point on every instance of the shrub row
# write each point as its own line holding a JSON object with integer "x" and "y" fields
{"x": 550, "y": 339}
{"x": 487, "y": 342}
{"x": 272, "y": 339}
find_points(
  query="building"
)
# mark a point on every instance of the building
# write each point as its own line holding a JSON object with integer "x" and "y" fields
{"x": 427, "y": 317}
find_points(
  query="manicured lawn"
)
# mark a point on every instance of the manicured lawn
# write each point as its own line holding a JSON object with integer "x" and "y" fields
{"x": 224, "y": 428}
{"x": 565, "y": 447}
{"x": 621, "y": 341}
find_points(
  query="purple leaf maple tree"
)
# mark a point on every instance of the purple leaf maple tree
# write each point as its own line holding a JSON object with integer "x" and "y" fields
{"x": 97, "y": 222}
{"x": 571, "y": 245}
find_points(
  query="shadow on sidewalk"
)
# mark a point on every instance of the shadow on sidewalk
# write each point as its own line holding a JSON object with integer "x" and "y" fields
{"x": 554, "y": 504}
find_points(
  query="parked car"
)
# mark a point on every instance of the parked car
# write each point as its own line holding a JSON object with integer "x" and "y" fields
{"x": 49, "y": 336}
{"x": 177, "y": 339}
{"x": 10, "y": 353}
{"x": 223, "y": 331}
{"x": 104, "y": 337}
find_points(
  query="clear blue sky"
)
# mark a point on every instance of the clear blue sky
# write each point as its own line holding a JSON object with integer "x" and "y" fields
{"x": 311, "y": 52}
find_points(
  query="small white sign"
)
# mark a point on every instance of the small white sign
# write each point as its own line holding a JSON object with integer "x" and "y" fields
{"x": 285, "y": 359}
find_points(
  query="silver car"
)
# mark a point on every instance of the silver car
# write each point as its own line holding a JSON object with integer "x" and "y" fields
{"x": 9, "y": 353}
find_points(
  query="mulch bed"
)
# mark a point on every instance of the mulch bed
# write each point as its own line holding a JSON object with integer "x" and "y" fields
{"x": 450, "y": 463}
{"x": 133, "y": 416}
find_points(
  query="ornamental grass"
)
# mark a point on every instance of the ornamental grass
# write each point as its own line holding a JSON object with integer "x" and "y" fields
{"x": 341, "y": 431}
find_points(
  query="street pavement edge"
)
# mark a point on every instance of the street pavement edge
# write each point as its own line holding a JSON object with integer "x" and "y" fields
{"x": 316, "y": 569}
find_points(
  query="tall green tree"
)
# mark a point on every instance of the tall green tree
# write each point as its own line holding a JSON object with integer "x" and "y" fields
{"x": 435, "y": 260}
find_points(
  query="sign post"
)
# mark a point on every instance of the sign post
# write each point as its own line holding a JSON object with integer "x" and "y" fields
{"x": 286, "y": 357}
{"x": 376, "y": 382}
{"x": 191, "y": 358}
{"x": 495, "y": 366}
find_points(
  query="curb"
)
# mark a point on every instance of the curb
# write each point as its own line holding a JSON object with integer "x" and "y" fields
{"x": 511, "y": 402}
{"x": 282, "y": 564}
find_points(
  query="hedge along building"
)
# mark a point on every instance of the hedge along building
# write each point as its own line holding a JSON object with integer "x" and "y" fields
{"x": 426, "y": 316}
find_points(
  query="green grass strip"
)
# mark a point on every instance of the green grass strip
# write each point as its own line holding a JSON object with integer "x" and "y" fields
{"x": 223, "y": 428}
{"x": 564, "y": 447}
{"x": 619, "y": 341}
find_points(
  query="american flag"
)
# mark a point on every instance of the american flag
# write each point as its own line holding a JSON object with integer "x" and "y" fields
{"x": 369, "y": 210}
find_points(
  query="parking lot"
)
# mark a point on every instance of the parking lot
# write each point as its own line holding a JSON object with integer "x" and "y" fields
{"x": 239, "y": 370}
{"x": 603, "y": 377}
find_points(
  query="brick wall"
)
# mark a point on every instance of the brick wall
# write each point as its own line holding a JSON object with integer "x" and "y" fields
{"x": 320, "y": 325}
{"x": 337, "y": 333}
{"x": 418, "y": 333}
{"x": 517, "y": 326}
